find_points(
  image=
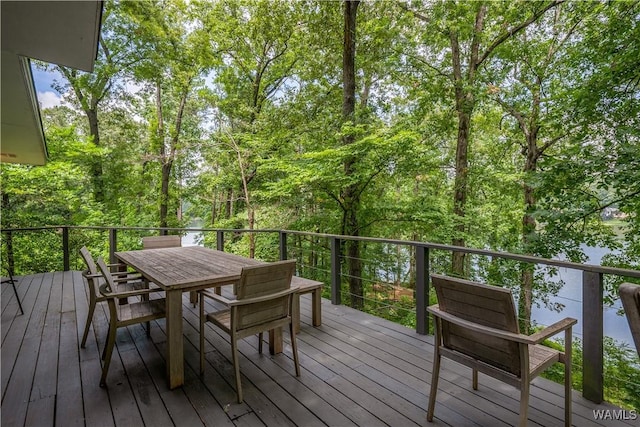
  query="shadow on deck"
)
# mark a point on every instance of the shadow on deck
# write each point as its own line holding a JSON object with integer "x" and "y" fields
{"x": 357, "y": 369}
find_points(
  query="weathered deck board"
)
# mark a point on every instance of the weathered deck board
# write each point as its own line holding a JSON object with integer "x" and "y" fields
{"x": 357, "y": 370}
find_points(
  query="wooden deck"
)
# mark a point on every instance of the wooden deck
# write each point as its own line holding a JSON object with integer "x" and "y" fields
{"x": 357, "y": 369}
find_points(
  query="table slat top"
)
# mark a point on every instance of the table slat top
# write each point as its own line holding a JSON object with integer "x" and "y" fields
{"x": 186, "y": 267}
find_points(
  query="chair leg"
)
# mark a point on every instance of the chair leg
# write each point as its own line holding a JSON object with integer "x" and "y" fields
{"x": 15, "y": 292}
{"x": 295, "y": 312}
{"x": 294, "y": 347}
{"x": 435, "y": 373}
{"x": 236, "y": 367}
{"x": 106, "y": 342}
{"x": 475, "y": 379}
{"x": 524, "y": 402}
{"x": 111, "y": 340}
{"x": 260, "y": 336}
{"x": 92, "y": 308}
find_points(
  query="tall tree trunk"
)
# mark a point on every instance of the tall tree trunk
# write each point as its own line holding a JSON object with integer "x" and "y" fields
{"x": 228, "y": 212}
{"x": 252, "y": 236}
{"x": 465, "y": 104}
{"x": 251, "y": 214}
{"x": 530, "y": 127}
{"x": 89, "y": 98}
{"x": 166, "y": 169}
{"x": 350, "y": 194}
{"x": 167, "y": 165}
{"x": 96, "y": 162}
{"x": 460, "y": 186}
{"x": 464, "y": 86}
{"x": 529, "y": 223}
{"x": 167, "y": 159}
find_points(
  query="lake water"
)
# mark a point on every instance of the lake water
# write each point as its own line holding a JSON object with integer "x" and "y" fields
{"x": 570, "y": 295}
{"x": 189, "y": 239}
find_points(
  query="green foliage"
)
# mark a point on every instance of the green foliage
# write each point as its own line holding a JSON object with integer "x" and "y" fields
{"x": 621, "y": 372}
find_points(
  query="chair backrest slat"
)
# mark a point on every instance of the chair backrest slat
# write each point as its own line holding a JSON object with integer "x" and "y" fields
{"x": 157, "y": 242}
{"x": 265, "y": 279}
{"x": 88, "y": 260}
{"x": 263, "y": 312}
{"x": 262, "y": 280}
{"x": 110, "y": 283}
{"x": 484, "y": 305}
{"x": 630, "y": 296}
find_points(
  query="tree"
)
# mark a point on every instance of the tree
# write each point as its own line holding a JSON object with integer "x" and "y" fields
{"x": 174, "y": 60}
{"x": 527, "y": 81}
{"x": 259, "y": 47}
{"x": 90, "y": 90}
{"x": 350, "y": 195}
{"x": 598, "y": 167}
{"x": 465, "y": 37}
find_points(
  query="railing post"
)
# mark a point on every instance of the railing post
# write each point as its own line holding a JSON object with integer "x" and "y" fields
{"x": 220, "y": 240}
{"x": 283, "y": 245}
{"x": 422, "y": 290}
{"x": 592, "y": 337}
{"x": 10, "y": 259}
{"x": 65, "y": 249}
{"x": 336, "y": 295}
{"x": 113, "y": 245}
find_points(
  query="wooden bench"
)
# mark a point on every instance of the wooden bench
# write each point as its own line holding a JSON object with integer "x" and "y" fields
{"x": 159, "y": 242}
{"x": 307, "y": 286}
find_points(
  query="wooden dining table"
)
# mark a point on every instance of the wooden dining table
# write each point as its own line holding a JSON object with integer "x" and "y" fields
{"x": 186, "y": 269}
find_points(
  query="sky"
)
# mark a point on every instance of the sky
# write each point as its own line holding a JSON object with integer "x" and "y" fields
{"x": 43, "y": 80}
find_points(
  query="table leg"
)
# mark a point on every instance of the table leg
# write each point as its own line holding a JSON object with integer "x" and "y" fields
{"x": 295, "y": 312}
{"x": 316, "y": 301}
{"x": 275, "y": 341}
{"x": 175, "y": 350}
{"x": 193, "y": 298}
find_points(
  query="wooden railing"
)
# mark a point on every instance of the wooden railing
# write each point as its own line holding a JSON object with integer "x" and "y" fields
{"x": 592, "y": 280}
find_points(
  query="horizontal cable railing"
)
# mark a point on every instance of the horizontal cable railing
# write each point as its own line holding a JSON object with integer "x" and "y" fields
{"x": 394, "y": 278}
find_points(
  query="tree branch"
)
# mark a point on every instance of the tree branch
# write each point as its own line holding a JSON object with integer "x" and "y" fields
{"x": 507, "y": 34}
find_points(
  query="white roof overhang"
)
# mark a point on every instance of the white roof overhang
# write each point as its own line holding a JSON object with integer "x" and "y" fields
{"x": 59, "y": 32}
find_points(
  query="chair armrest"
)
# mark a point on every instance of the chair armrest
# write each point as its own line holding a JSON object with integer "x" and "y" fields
{"x": 499, "y": 333}
{"x": 219, "y": 298}
{"x": 536, "y": 338}
{"x": 133, "y": 276}
{"x": 116, "y": 275}
{"x": 121, "y": 265}
{"x": 118, "y": 295}
{"x": 552, "y": 330}
{"x": 117, "y": 264}
{"x": 88, "y": 275}
{"x": 263, "y": 298}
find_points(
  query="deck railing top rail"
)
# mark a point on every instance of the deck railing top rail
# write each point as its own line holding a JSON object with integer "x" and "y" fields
{"x": 594, "y": 268}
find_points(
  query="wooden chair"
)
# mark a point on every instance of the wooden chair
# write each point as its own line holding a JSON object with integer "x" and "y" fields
{"x": 123, "y": 282}
{"x": 157, "y": 242}
{"x": 476, "y": 325}
{"x": 121, "y": 315}
{"x": 264, "y": 301}
{"x": 630, "y": 296}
